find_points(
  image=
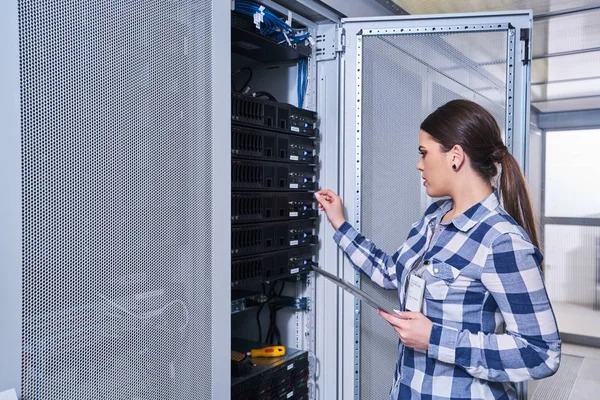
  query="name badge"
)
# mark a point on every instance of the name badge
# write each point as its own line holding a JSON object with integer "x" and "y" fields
{"x": 414, "y": 293}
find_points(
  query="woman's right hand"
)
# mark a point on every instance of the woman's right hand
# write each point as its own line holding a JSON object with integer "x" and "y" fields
{"x": 331, "y": 203}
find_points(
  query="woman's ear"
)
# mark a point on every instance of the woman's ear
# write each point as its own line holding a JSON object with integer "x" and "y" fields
{"x": 456, "y": 157}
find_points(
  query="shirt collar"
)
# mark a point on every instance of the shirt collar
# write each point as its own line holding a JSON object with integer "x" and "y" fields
{"x": 475, "y": 214}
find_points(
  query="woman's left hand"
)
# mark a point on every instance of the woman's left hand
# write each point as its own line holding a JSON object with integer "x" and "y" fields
{"x": 413, "y": 328}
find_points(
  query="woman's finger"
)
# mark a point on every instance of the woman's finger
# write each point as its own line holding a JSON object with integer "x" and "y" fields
{"x": 408, "y": 314}
{"x": 325, "y": 192}
{"x": 321, "y": 201}
{"x": 398, "y": 332}
{"x": 396, "y": 321}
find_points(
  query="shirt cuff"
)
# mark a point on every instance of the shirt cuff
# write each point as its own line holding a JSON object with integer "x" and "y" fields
{"x": 442, "y": 343}
{"x": 345, "y": 235}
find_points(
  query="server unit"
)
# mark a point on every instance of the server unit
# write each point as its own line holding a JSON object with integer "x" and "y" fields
{"x": 266, "y": 267}
{"x": 271, "y": 206}
{"x": 266, "y": 145}
{"x": 264, "y": 175}
{"x": 269, "y": 114}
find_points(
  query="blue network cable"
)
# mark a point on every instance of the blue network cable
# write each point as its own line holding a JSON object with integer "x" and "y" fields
{"x": 274, "y": 27}
{"x": 302, "y": 80}
{"x": 271, "y": 25}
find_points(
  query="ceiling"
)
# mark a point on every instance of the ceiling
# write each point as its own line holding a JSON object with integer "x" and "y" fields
{"x": 565, "y": 71}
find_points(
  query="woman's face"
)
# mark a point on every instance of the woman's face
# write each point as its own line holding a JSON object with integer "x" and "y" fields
{"x": 435, "y": 166}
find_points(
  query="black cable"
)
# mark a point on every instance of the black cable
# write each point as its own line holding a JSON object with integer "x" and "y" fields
{"x": 277, "y": 333}
{"x": 275, "y": 330}
{"x": 270, "y": 331}
{"x": 258, "y": 315}
{"x": 273, "y": 309}
{"x": 270, "y": 295}
{"x": 269, "y": 338}
{"x": 265, "y": 94}
{"x": 258, "y": 322}
{"x": 247, "y": 80}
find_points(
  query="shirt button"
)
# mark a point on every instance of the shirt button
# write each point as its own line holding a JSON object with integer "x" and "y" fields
{"x": 435, "y": 271}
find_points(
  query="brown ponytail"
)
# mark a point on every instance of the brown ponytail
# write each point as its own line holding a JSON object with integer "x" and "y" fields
{"x": 464, "y": 123}
{"x": 516, "y": 198}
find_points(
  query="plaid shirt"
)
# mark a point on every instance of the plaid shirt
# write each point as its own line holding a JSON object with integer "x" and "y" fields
{"x": 492, "y": 320}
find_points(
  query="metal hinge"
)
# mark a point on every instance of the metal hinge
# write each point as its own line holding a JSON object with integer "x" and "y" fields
{"x": 525, "y": 46}
{"x": 341, "y": 40}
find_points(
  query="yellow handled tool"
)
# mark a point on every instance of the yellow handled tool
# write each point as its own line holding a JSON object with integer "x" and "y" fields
{"x": 269, "y": 351}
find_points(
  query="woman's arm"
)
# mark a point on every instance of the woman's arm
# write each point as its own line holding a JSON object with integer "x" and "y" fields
{"x": 530, "y": 348}
{"x": 363, "y": 254}
{"x": 366, "y": 257}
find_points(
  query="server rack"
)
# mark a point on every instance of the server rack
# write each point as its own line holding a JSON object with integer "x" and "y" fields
{"x": 274, "y": 169}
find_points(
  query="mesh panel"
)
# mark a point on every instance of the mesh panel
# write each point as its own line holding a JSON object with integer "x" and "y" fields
{"x": 116, "y": 120}
{"x": 405, "y": 77}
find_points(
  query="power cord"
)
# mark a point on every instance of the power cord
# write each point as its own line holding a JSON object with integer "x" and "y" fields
{"x": 264, "y": 94}
{"x": 260, "y": 308}
{"x": 245, "y": 85}
{"x": 273, "y": 332}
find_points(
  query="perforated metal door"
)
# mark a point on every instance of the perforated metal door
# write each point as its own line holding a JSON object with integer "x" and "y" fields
{"x": 400, "y": 71}
{"x": 118, "y": 202}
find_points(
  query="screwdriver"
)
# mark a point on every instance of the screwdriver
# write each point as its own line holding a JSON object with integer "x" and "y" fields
{"x": 269, "y": 351}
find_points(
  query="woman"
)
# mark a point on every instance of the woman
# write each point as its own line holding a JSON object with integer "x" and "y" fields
{"x": 485, "y": 319}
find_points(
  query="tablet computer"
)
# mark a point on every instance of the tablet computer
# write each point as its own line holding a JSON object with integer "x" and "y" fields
{"x": 353, "y": 290}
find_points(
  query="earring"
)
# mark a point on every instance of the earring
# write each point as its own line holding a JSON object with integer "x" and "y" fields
{"x": 454, "y": 167}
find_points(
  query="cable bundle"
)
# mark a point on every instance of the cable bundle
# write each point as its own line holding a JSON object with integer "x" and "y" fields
{"x": 273, "y": 331}
{"x": 270, "y": 24}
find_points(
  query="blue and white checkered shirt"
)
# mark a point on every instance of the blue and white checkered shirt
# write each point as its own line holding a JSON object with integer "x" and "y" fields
{"x": 492, "y": 320}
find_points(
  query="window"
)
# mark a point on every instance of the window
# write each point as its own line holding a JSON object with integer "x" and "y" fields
{"x": 571, "y": 228}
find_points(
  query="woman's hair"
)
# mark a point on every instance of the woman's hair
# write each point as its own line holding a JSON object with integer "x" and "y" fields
{"x": 464, "y": 123}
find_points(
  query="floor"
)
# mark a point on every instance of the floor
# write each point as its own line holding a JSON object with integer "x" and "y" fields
{"x": 586, "y": 384}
